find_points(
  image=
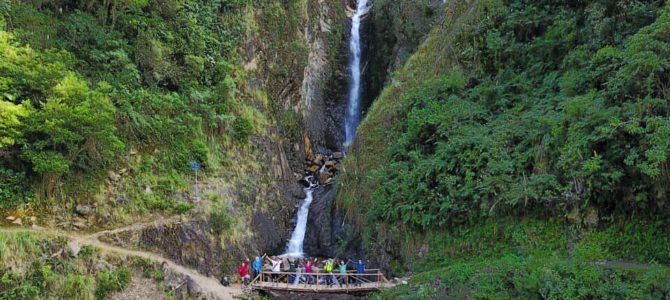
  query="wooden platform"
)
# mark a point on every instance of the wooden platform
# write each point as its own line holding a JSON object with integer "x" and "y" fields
{"x": 371, "y": 281}
{"x": 319, "y": 288}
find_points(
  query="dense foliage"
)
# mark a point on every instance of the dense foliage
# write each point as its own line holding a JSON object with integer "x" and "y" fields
{"x": 539, "y": 259}
{"x": 522, "y": 153}
{"x": 523, "y": 105}
{"x": 84, "y": 82}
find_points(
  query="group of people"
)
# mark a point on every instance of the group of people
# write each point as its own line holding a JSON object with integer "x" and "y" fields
{"x": 304, "y": 270}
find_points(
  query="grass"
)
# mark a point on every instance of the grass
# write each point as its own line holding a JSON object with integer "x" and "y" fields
{"x": 40, "y": 267}
{"x": 535, "y": 259}
{"x": 514, "y": 277}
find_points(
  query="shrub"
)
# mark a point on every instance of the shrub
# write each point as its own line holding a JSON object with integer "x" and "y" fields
{"x": 111, "y": 281}
{"x": 220, "y": 219}
{"x": 78, "y": 287}
{"x": 14, "y": 188}
{"x": 182, "y": 207}
{"x": 243, "y": 127}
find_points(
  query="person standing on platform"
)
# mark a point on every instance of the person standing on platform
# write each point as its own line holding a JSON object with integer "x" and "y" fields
{"x": 360, "y": 270}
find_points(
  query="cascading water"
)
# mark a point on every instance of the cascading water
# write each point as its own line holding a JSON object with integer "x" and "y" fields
{"x": 295, "y": 244}
{"x": 352, "y": 119}
{"x": 353, "y": 106}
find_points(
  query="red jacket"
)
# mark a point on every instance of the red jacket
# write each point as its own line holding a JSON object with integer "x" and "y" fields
{"x": 243, "y": 270}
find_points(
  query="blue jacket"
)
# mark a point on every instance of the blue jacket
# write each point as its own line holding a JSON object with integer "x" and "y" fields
{"x": 256, "y": 265}
{"x": 360, "y": 267}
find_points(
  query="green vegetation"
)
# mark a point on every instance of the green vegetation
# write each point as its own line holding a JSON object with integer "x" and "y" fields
{"x": 109, "y": 102}
{"x": 509, "y": 110}
{"x": 535, "y": 259}
{"x": 220, "y": 219}
{"x": 567, "y": 119}
{"x": 81, "y": 84}
{"x": 112, "y": 281}
{"x": 34, "y": 267}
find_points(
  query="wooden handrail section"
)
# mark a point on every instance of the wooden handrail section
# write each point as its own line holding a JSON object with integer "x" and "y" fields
{"x": 321, "y": 282}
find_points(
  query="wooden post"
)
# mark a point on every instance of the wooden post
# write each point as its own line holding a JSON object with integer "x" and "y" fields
{"x": 379, "y": 278}
{"x": 346, "y": 276}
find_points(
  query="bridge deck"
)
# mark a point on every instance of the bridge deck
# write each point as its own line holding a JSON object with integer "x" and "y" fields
{"x": 352, "y": 283}
{"x": 317, "y": 288}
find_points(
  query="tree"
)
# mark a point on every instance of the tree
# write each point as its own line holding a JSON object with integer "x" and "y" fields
{"x": 74, "y": 128}
{"x": 10, "y": 122}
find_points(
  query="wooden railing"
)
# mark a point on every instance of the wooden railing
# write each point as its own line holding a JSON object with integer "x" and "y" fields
{"x": 371, "y": 279}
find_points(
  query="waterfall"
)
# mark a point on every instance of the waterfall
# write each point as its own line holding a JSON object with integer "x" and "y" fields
{"x": 353, "y": 106}
{"x": 295, "y": 244}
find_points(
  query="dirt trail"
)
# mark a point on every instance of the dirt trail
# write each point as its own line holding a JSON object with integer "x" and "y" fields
{"x": 209, "y": 287}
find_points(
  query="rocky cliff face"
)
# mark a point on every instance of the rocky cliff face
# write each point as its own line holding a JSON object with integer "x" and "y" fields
{"x": 385, "y": 49}
{"x": 394, "y": 30}
{"x": 294, "y": 54}
{"x": 291, "y": 73}
{"x": 291, "y": 61}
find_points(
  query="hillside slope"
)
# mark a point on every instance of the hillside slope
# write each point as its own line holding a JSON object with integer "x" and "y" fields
{"x": 521, "y": 143}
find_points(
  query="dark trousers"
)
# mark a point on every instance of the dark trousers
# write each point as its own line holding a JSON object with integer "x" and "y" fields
{"x": 359, "y": 279}
{"x": 343, "y": 279}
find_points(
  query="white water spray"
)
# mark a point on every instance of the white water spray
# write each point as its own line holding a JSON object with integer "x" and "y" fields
{"x": 353, "y": 107}
{"x": 295, "y": 244}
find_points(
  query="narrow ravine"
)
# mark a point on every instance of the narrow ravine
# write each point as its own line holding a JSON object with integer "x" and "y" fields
{"x": 353, "y": 117}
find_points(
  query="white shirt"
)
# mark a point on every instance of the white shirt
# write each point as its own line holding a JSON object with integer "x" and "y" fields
{"x": 276, "y": 265}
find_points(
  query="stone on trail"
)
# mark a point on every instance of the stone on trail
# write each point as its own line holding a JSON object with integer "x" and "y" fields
{"x": 18, "y": 222}
{"x": 79, "y": 225}
{"x": 11, "y": 218}
{"x": 83, "y": 209}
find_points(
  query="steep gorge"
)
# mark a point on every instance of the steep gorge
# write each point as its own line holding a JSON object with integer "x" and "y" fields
{"x": 508, "y": 149}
